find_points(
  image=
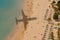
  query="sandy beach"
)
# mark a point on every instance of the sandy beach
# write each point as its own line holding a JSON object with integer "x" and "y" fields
{"x": 18, "y": 31}
{"x": 35, "y": 28}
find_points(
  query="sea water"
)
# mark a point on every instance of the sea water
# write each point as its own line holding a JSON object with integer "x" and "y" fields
{"x": 9, "y": 9}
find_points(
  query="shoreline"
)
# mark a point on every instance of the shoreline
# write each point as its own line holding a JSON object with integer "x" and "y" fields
{"x": 31, "y": 11}
{"x": 19, "y": 28}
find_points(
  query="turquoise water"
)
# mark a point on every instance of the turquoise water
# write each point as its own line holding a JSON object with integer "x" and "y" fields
{"x": 9, "y": 9}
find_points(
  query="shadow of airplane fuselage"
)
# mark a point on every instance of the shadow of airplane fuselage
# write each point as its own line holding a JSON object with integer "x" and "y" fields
{"x": 25, "y": 19}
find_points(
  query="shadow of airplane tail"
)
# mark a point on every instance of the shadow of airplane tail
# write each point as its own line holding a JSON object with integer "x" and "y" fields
{"x": 16, "y": 21}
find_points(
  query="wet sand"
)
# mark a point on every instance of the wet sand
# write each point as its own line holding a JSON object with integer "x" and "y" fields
{"x": 17, "y": 33}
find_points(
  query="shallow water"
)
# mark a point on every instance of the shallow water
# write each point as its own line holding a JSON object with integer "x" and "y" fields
{"x": 9, "y": 9}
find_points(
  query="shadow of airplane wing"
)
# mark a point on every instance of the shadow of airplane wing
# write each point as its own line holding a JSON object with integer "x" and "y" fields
{"x": 25, "y": 25}
{"x": 22, "y": 12}
{"x": 31, "y": 18}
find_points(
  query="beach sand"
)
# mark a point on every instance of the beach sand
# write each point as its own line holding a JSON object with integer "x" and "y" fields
{"x": 35, "y": 28}
{"x": 18, "y": 31}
